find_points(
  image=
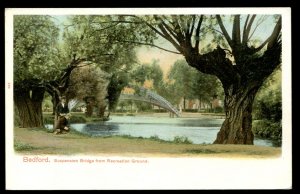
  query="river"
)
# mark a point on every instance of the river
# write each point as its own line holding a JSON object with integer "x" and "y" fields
{"x": 197, "y": 130}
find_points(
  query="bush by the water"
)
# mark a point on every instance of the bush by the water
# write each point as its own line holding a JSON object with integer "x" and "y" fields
{"x": 267, "y": 129}
{"x": 75, "y": 118}
{"x": 49, "y": 119}
{"x": 267, "y": 109}
{"x": 182, "y": 139}
{"x": 78, "y": 119}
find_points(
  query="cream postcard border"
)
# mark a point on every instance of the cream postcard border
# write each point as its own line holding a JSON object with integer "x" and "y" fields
{"x": 158, "y": 173}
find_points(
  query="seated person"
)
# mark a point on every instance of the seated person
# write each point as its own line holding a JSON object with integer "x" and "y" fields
{"x": 62, "y": 112}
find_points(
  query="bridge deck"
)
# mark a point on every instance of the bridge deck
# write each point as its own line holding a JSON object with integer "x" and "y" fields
{"x": 152, "y": 99}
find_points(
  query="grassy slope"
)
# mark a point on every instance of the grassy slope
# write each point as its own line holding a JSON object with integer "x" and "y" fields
{"x": 39, "y": 141}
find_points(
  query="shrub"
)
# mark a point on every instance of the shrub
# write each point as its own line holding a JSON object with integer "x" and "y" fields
{"x": 99, "y": 119}
{"x": 219, "y": 109}
{"x": 155, "y": 137}
{"x": 22, "y": 146}
{"x": 77, "y": 119}
{"x": 267, "y": 109}
{"x": 190, "y": 110}
{"x": 271, "y": 110}
{"x": 182, "y": 139}
{"x": 48, "y": 119}
{"x": 268, "y": 129}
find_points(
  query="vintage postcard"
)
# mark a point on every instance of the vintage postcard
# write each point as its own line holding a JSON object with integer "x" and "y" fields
{"x": 139, "y": 98}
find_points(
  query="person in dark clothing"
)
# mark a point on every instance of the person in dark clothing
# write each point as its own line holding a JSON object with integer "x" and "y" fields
{"x": 62, "y": 112}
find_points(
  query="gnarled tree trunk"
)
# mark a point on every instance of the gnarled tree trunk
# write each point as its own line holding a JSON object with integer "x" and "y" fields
{"x": 237, "y": 127}
{"x": 89, "y": 110}
{"x": 55, "y": 101}
{"x": 29, "y": 107}
{"x": 101, "y": 111}
{"x": 90, "y": 104}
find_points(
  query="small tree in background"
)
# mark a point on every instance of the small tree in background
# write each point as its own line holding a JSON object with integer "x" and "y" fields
{"x": 89, "y": 83}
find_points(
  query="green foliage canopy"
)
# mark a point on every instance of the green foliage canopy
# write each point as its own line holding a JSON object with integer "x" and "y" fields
{"x": 189, "y": 83}
{"x": 36, "y": 52}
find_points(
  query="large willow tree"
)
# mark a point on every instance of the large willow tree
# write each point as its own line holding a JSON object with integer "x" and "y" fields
{"x": 44, "y": 61}
{"x": 235, "y": 55}
{"x": 35, "y": 60}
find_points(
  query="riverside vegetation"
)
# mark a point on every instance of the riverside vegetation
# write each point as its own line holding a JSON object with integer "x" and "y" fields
{"x": 77, "y": 143}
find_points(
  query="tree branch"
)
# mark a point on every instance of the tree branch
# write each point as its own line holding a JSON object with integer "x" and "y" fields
{"x": 149, "y": 44}
{"x": 214, "y": 63}
{"x": 236, "y": 34}
{"x": 179, "y": 30}
{"x": 275, "y": 34}
{"x": 244, "y": 40}
{"x": 193, "y": 25}
{"x": 188, "y": 26}
{"x": 213, "y": 29}
{"x": 170, "y": 31}
{"x": 249, "y": 28}
{"x": 169, "y": 38}
{"x": 51, "y": 88}
{"x": 117, "y": 21}
{"x": 111, "y": 26}
{"x": 258, "y": 23}
{"x": 188, "y": 35}
{"x": 198, "y": 34}
{"x": 163, "y": 33}
{"x": 154, "y": 29}
{"x": 272, "y": 38}
{"x": 261, "y": 46}
{"x": 224, "y": 30}
{"x": 20, "y": 54}
{"x": 181, "y": 25}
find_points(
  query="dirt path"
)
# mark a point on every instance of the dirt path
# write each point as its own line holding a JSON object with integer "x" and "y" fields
{"x": 38, "y": 141}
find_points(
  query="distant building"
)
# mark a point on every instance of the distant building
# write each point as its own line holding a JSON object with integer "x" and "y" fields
{"x": 128, "y": 90}
{"x": 195, "y": 104}
{"x": 216, "y": 102}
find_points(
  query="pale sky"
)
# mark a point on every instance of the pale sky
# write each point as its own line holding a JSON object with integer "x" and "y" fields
{"x": 166, "y": 59}
{"x": 145, "y": 54}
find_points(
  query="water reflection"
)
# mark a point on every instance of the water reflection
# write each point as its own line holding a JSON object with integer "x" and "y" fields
{"x": 199, "y": 131}
{"x": 97, "y": 129}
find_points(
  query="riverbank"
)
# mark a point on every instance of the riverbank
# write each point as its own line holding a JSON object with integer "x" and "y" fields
{"x": 182, "y": 115}
{"x": 79, "y": 117}
{"x": 40, "y": 142}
